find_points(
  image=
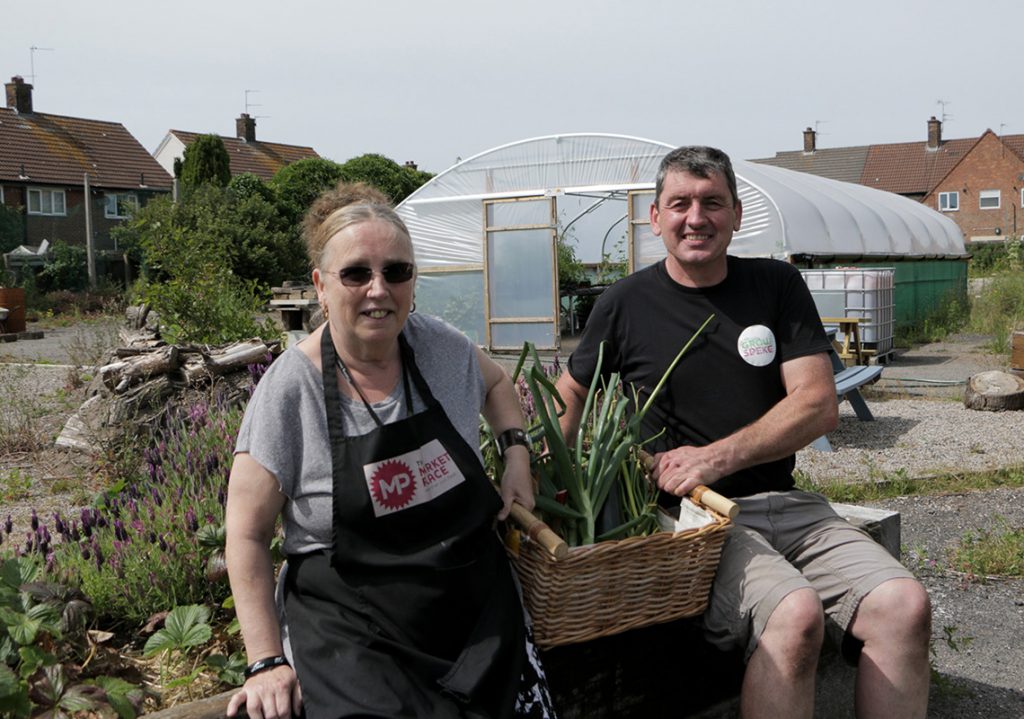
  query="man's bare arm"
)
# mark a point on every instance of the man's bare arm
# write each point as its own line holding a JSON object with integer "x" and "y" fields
{"x": 808, "y": 411}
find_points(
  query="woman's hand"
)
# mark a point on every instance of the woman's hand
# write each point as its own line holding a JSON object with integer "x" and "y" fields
{"x": 271, "y": 694}
{"x": 516, "y": 482}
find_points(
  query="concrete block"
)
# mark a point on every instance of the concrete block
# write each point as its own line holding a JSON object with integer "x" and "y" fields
{"x": 882, "y": 524}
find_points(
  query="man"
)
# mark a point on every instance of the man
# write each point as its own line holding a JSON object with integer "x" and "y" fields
{"x": 754, "y": 388}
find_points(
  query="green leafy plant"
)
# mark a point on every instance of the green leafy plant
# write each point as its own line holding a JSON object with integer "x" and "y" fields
{"x": 575, "y": 479}
{"x": 42, "y": 650}
{"x": 185, "y": 628}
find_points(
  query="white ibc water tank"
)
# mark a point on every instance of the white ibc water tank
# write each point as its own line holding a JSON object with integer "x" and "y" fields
{"x": 856, "y": 292}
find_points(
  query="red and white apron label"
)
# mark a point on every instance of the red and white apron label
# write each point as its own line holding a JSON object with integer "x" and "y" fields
{"x": 412, "y": 478}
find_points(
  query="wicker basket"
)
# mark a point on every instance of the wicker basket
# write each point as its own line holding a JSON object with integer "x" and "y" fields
{"x": 610, "y": 587}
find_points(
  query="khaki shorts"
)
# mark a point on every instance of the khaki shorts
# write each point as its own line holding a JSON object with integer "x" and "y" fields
{"x": 784, "y": 541}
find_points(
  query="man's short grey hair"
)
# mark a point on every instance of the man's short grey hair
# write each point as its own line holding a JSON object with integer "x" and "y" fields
{"x": 699, "y": 161}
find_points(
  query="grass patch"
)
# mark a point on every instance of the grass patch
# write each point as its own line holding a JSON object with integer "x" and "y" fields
{"x": 990, "y": 552}
{"x": 1000, "y": 310}
{"x": 899, "y": 484}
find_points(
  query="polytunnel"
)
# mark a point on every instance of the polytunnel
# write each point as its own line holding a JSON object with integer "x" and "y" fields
{"x": 486, "y": 231}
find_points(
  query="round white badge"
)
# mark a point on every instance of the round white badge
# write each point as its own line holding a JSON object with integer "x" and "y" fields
{"x": 756, "y": 345}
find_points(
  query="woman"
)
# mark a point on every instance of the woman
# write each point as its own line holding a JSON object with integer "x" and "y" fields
{"x": 398, "y": 596}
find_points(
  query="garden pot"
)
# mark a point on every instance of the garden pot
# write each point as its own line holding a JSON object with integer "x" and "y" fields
{"x": 13, "y": 298}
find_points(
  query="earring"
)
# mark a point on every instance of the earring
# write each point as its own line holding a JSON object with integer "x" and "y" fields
{"x": 413, "y": 308}
{"x": 325, "y": 312}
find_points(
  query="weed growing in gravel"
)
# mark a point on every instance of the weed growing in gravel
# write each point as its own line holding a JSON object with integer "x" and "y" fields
{"x": 15, "y": 485}
{"x": 991, "y": 552}
{"x": 899, "y": 484}
{"x": 21, "y": 427}
{"x": 956, "y": 642}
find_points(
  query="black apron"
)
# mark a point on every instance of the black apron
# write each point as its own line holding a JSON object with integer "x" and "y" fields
{"x": 414, "y": 612}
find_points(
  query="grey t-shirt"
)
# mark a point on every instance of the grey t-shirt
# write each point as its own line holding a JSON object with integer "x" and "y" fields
{"x": 285, "y": 423}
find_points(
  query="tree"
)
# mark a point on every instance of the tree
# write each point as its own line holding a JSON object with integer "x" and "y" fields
{"x": 396, "y": 181}
{"x": 206, "y": 162}
{"x": 11, "y": 228}
{"x": 297, "y": 185}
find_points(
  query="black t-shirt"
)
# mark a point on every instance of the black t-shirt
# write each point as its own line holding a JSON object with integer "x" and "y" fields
{"x": 730, "y": 377}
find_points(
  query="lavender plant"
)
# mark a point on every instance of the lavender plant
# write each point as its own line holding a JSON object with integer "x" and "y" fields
{"x": 139, "y": 549}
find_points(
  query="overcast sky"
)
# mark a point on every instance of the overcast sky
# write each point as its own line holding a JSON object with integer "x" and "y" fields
{"x": 435, "y": 81}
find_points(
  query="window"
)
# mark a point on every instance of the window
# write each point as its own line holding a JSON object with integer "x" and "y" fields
{"x": 988, "y": 199}
{"x": 120, "y": 205}
{"x": 1021, "y": 195}
{"x": 46, "y": 202}
{"x": 949, "y": 201}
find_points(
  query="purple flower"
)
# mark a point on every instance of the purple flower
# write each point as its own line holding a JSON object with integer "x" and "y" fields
{"x": 163, "y": 544}
{"x": 9, "y": 525}
{"x": 85, "y": 551}
{"x": 34, "y": 521}
{"x": 119, "y": 531}
{"x": 190, "y": 520}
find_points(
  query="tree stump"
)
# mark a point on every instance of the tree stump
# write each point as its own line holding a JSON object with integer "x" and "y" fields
{"x": 994, "y": 391}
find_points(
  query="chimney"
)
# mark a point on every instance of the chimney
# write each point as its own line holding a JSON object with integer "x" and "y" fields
{"x": 410, "y": 164}
{"x": 245, "y": 127}
{"x": 809, "y": 141}
{"x": 19, "y": 95}
{"x": 934, "y": 133}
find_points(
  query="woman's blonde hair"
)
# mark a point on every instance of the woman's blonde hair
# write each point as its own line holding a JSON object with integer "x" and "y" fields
{"x": 349, "y": 203}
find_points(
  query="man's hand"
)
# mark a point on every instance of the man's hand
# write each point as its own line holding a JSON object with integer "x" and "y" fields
{"x": 271, "y": 694}
{"x": 680, "y": 470}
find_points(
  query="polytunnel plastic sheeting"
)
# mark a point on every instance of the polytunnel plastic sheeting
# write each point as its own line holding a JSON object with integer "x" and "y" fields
{"x": 548, "y": 163}
{"x": 784, "y": 212}
{"x": 817, "y": 216}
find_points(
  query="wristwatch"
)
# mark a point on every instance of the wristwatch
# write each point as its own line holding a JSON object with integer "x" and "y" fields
{"x": 510, "y": 438}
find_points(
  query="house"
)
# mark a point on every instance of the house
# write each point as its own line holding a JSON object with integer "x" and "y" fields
{"x": 977, "y": 182}
{"x": 44, "y": 160}
{"x": 247, "y": 154}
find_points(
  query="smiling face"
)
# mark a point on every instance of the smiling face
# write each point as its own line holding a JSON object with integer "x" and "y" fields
{"x": 695, "y": 218}
{"x": 365, "y": 319}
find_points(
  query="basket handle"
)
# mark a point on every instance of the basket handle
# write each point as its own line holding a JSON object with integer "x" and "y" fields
{"x": 538, "y": 531}
{"x": 700, "y": 494}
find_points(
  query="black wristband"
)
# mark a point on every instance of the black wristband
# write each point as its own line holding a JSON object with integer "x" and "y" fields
{"x": 510, "y": 438}
{"x": 261, "y": 665}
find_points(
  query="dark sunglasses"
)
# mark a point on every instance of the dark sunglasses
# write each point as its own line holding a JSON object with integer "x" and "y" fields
{"x": 394, "y": 274}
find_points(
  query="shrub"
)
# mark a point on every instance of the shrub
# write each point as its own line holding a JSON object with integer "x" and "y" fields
{"x": 66, "y": 269}
{"x": 206, "y": 162}
{"x": 1000, "y": 309}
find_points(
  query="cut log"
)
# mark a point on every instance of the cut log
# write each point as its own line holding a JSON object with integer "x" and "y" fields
{"x": 237, "y": 356}
{"x": 994, "y": 391}
{"x": 119, "y": 376}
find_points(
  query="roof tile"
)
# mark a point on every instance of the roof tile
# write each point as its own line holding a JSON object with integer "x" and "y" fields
{"x": 59, "y": 150}
{"x": 262, "y": 159}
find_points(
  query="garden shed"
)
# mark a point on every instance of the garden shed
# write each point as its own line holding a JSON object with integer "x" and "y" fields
{"x": 486, "y": 231}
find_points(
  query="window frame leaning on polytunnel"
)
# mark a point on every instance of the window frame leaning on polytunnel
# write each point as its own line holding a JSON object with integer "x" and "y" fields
{"x": 485, "y": 231}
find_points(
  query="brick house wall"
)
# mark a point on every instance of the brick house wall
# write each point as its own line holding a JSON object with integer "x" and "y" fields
{"x": 989, "y": 165}
{"x": 70, "y": 227}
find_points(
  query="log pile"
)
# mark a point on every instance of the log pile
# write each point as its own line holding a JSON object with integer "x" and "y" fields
{"x": 145, "y": 377}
